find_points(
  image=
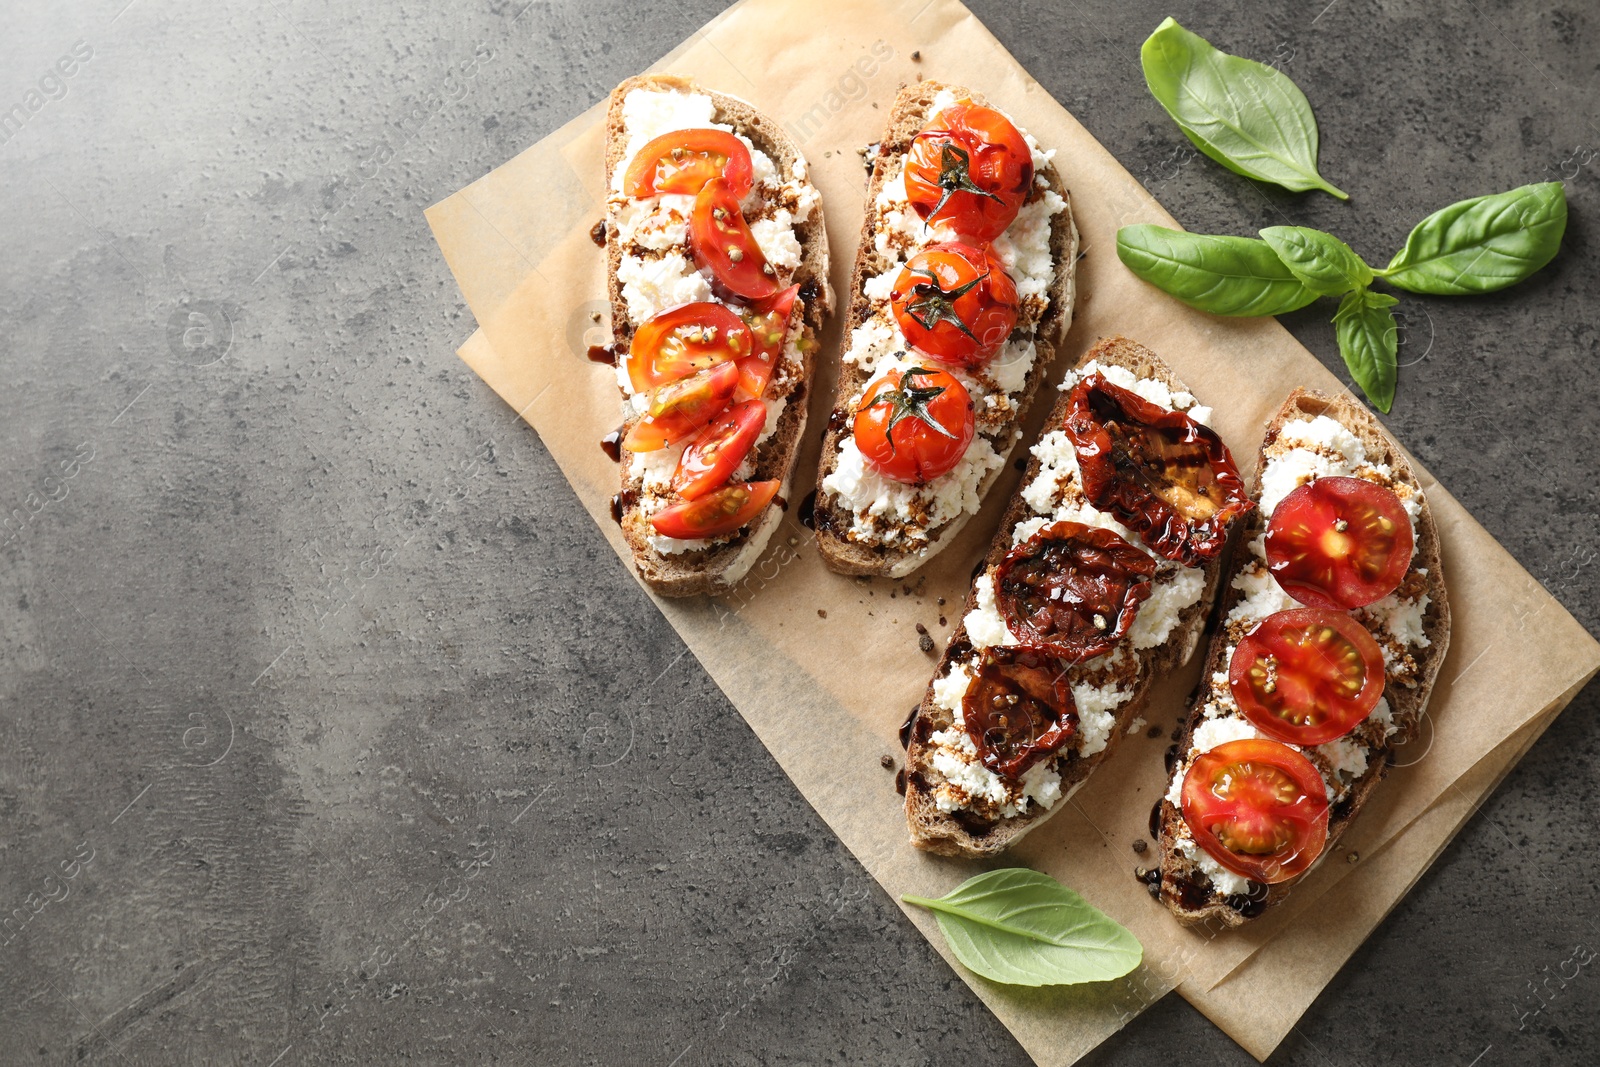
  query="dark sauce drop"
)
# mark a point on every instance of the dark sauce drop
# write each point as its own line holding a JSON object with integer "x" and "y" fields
{"x": 621, "y": 503}
{"x": 1172, "y": 756}
{"x": 1250, "y": 903}
{"x": 905, "y": 728}
{"x": 597, "y": 233}
{"x": 982, "y": 563}
{"x": 1191, "y": 896}
{"x": 611, "y": 445}
{"x": 808, "y": 511}
{"x": 900, "y": 781}
{"x": 808, "y": 292}
{"x": 606, "y": 354}
{"x": 837, "y": 421}
{"x": 1155, "y": 821}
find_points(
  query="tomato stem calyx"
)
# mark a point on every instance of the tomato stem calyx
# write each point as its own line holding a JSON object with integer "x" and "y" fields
{"x": 955, "y": 176}
{"x": 911, "y": 401}
{"x": 934, "y": 304}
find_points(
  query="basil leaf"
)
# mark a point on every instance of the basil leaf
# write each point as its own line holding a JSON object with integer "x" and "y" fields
{"x": 1021, "y": 927}
{"x": 1322, "y": 262}
{"x": 1482, "y": 244}
{"x": 1245, "y": 115}
{"x": 1222, "y": 275}
{"x": 1368, "y": 339}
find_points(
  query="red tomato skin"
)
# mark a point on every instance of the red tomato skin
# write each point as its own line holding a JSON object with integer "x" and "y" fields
{"x": 665, "y": 330}
{"x": 987, "y": 312}
{"x": 678, "y": 409}
{"x": 769, "y": 324}
{"x": 722, "y": 245}
{"x": 1315, "y": 578}
{"x": 643, "y": 178}
{"x": 999, "y": 163}
{"x": 718, "y": 449}
{"x": 717, "y": 514}
{"x": 1205, "y": 812}
{"x": 917, "y": 454}
{"x": 1342, "y": 714}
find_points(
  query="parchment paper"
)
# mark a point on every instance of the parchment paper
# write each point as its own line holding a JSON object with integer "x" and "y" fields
{"x": 824, "y": 668}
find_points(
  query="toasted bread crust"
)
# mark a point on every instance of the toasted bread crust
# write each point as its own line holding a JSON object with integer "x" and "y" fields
{"x": 716, "y": 570}
{"x": 956, "y": 834}
{"x": 906, "y": 119}
{"x": 1407, "y": 703}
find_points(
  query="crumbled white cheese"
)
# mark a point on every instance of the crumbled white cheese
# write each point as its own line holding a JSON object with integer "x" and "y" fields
{"x": 862, "y": 491}
{"x": 985, "y": 625}
{"x": 1226, "y": 882}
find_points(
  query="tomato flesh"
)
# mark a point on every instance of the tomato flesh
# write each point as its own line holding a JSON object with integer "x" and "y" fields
{"x": 678, "y": 342}
{"x": 677, "y": 409}
{"x": 724, "y": 247}
{"x": 718, "y": 450}
{"x": 682, "y": 161}
{"x": 1307, "y": 676}
{"x": 914, "y": 425}
{"x": 1018, "y": 708}
{"x": 1339, "y": 543}
{"x": 1072, "y": 590}
{"x": 955, "y": 303}
{"x": 1258, "y": 808}
{"x": 724, "y": 511}
{"x": 968, "y": 172}
{"x": 768, "y": 321}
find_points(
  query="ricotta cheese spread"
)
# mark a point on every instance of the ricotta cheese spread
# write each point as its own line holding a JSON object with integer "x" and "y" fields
{"x": 906, "y": 517}
{"x": 1307, "y": 449}
{"x": 656, "y": 272}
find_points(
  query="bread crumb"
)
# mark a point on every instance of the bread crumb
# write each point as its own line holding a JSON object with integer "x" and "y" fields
{"x": 916, "y": 57}
{"x": 886, "y": 762}
{"x": 1154, "y": 731}
{"x": 822, "y": 613}
{"x": 1139, "y": 846}
{"x": 925, "y": 643}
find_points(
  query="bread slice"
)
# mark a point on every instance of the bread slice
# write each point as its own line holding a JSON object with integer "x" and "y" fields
{"x": 716, "y": 569}
{"x": 851, "y": 555}
{"x": 1187, "y": 892}
{"x": 973, "y": 832}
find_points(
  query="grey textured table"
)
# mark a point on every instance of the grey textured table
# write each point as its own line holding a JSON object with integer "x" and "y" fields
{"x": 307, "y": 745}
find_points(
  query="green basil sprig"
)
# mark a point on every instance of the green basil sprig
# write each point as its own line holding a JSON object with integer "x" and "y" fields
{"x": 1483, "y": 244}
{"x": 1021, "y": 927}
{"x": 1321, "y": 261}
{"x": 1222, "y": 275}
{"x": 1252, "y": 119}
{"x": 1368, "y": 341}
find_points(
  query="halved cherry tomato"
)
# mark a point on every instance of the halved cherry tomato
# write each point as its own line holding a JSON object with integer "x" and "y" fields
{"x": 768, "y": 321}
{"x": 717, "y": 513}
{"x": 719, "y": 449}
{"x": 1163, "y": 475}
{"x": 1258, "y": 807}
{"x": 1018, "y": 709}
{"x": 1072, "y": 590}
{"x": 677, "y": 342}
{"x": 955, "y": 303}
{"x": 1339, "y": 543}
{"x": 968, "y": 172}
{"x": 684, "y": 160}
{"x": 678, "y": 409}
{"x": 914, "y": 426}
{"x": 1307, "y": 676}
{"x": 723, "y": 246}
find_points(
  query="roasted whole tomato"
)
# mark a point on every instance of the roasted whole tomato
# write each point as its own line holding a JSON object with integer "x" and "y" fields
{"x": 955, "y": 303}
{"x": 914, "y": 426}
{"x": 968, "y": 172}
{"x": 723, "y": 246}
{"x": 684, "y": 160}
{"x": 679, "y": 341}
{"x": 1163, "y": 475}
{"x": 718, "y": 450}
{"x": 1307, "y": 676}
{"x": 1072, "y": 590}
{"x": 718, "y": 513}
{"x": 768, "y": 321}
{"x": 1018, "y": 709}
{"x": 1258, "y": 807}
{"x": 1339, "y": 543}
{"x": 678, "y": 409}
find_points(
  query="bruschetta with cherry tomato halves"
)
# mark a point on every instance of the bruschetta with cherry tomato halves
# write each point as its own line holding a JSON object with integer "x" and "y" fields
{"x": 1334, "y": 623}
{"x": 965, "y": 272}
{"x": 1098, "y": 582}
{"x": 718, "y": 279}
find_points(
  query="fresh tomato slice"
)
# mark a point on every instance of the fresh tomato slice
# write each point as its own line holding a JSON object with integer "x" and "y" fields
{"x": 955, "y": 303}
{"x": 1258, "y": 807}
{"x": 684, "y": 160}
{"x": 677, "y": 342}
{"x": 723, "y": 246}
{"x": 1072, "y": 590}
{"x": 716, "y": 453}
{"x": 1163, "y": 475}
{"x": 768, "y": 321}
{"x": 1018, "y": 708}
{"x": 968, "y": 172}
{"x": 915, "y": 425}
{"x": 1339, "y": 543}
{"x": 723, "y": 511}
{"x": 1307, "y": 676}
{"x": 678, "y": 409}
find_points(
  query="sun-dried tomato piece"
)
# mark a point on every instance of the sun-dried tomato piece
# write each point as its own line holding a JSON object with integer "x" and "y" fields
{"x": 1163, "y": 475}
{"x": 1072, "y": 590}
{"x": 1018, "y": 709}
